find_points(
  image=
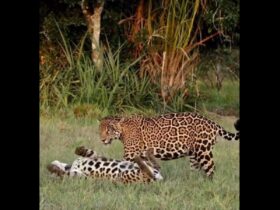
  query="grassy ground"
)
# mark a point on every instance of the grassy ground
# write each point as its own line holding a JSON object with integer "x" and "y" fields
{"x": 180, "y": 189}
{"x": 223, "y": 102}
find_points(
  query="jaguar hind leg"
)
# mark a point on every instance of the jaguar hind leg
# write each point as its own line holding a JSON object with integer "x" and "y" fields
{"x": 207, "y": 164}
{"x": 194, "y": 164}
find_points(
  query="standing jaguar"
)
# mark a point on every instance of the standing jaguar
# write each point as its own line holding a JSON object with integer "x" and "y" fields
{"x": 92, "y": 165}
{"x": 170, "y": 136}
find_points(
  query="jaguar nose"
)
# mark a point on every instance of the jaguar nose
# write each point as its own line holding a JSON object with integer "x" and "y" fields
{"x": 106, "y": 141}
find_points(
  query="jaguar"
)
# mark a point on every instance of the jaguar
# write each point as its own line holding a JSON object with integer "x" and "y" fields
{"x": 89, "y": 164}
{"x": 169, "y": 136}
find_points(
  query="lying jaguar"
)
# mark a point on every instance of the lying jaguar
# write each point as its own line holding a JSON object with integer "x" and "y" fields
{"x": 170, "y": 136}
{"x": 92, "y": 165}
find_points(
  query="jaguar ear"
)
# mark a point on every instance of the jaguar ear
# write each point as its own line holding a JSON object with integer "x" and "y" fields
{"x": 118, "y": 124}
{"x": 121, "y": 120}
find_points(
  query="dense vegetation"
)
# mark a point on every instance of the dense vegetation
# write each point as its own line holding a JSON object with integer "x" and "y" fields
{"x": 157, "y": 55}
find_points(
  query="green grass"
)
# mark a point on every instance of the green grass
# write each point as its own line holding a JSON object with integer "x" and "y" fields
{"x": 225, "y": 101}
{"x": 180, "y": 189}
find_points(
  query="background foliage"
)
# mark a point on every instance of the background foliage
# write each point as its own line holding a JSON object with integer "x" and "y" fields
{"x": 68, "y": 78}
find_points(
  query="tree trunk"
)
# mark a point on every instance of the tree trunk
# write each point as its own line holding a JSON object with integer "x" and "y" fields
{"x": 93, "y": 18}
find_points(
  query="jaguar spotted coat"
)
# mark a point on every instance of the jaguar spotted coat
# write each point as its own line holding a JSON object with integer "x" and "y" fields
{"x": 170, "y": 136}
{"x": 92, "y": 165}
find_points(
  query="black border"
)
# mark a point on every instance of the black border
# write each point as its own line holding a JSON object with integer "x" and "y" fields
{"x": 20, "y": 103}
{"x": 259, "y": 96}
